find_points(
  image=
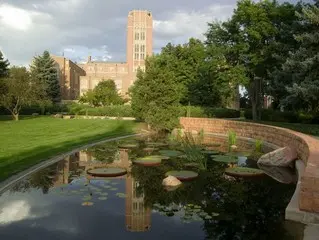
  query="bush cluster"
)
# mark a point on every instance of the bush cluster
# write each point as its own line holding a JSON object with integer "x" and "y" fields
{"x": 193, "y": 111}
{"x": 287, "y": 116}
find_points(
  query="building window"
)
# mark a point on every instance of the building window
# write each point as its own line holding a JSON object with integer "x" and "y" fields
{"x": 137, "y": 36}
{"x": 136, "y": 48}
{"x": 142, "y": 56}
{"x": 142, "y": 35}
{"x": 134, "y": 205}
{"x": 143, "y": 48}
{"x": 136, "y": 56}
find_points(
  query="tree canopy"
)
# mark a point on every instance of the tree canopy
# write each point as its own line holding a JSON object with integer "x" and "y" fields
{"x": 104, "y": 94}
{"x": 20, "y": 91}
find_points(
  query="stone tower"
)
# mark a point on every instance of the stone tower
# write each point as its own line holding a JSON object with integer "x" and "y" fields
{"x": 139, "y": 40}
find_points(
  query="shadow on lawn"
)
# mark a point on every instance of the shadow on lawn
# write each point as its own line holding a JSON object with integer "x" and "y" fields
{"x": 24, "y": 160}
{"x": 5, "y": 118}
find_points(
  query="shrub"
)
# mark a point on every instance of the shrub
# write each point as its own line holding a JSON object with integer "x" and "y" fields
{"x": 275, "y": 116}
{"x": 193, "y": 111}
{"x": 110, "y": 111}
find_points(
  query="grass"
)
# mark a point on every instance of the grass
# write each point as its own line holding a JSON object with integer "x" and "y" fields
{"x": 32, "y": 139}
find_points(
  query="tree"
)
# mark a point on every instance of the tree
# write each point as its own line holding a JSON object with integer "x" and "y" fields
{"x": 43, "y": 71}
{"x": 4, "y": 66}
{"x": 302, "y": 65}
{"x": 155, "y": 95}
{"x": 248, "y": 39}
{"x": 4, "y": 71}
{"x": 20, "y": 91}
{"x": 104, "y": 94}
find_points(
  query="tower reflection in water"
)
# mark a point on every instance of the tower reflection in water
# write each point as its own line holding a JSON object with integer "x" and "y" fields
{"x": 137, "y": 215}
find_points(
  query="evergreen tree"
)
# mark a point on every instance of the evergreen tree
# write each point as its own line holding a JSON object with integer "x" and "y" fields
{"x": 44, "y": 72}
{"x": 302, "y": 65}
{"x": 4, "y": 66}
{"x": 4, "y": 72}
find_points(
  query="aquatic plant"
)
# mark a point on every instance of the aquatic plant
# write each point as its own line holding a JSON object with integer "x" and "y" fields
{"x": 192, "y": 146}
{"x": 258, "y": 146}
{"x": 148, "y": 161}
{"x": 244, "y": 172}
{"x": 232, "y": 139}
{"x": 225, "y": 159}
{"x": 170, "y": 153}
{"x": 183, "y": 175}
{"x": 107, "y": 172}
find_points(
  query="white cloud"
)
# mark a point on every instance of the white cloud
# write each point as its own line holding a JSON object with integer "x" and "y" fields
{"x": 15, "y": 211}
{"x": 183, "y": 24}
{"x": 16, "y": 18}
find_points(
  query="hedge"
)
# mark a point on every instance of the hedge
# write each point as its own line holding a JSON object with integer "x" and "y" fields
{"x": 123, "y": 111}
{"x": 287, "y": 116}
{"x": 193, "y": 111}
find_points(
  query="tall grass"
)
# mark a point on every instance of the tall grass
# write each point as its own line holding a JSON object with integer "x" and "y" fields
{"x": 192, "y": 145}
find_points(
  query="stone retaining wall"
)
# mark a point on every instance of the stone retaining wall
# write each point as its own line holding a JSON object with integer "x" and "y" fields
{"x": 306, "y": 146}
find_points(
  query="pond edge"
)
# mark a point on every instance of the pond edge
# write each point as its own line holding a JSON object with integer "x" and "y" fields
{"x": 6, "y": 184}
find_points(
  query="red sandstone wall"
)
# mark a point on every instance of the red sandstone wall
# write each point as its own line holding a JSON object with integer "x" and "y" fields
{"x": 307, "y": 147}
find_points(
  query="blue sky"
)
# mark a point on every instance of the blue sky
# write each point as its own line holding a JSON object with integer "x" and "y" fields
{"x": 97, "y": 27}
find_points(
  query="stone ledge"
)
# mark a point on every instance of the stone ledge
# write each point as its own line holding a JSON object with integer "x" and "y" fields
{"x": 306, "y": 146}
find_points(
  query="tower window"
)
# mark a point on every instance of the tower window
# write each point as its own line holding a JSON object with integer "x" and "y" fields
{"x": 136, "y": 56}
{"x": 142, "y": 56}
{"x": 142, "y": 48}
{"x": 142, "y": 35}
{"x": 137, "y": 36}
{"x": 136, "y": 48}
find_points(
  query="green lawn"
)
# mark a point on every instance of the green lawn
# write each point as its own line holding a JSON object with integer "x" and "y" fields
{"x": 28, "y": 141}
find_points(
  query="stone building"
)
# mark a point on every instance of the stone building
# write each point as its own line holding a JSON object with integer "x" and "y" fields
{"x": 76, "y": 79}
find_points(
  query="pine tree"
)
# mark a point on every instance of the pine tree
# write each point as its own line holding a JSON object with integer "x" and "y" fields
{"x": 302, "y": 65}
{"x": 44, "y": 72}
{"x": 4, "y": 72}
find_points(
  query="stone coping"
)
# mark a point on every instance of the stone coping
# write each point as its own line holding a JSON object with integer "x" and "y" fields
{"x": 306, "y": 146}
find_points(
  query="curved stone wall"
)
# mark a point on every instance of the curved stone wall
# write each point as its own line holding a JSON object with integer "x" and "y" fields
{"x": 306, "y": 146}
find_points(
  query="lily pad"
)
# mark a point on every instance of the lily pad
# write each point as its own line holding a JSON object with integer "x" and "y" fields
{"x": 183, "y": 175}
{"x": 121, "y": 195}
{"x": 160, "y": 156}
{"x": 148, "y": 161}
{"x": 156, "y": 144}
{"x": 225, "y": 159}
{"x": 102, "y": 198}
{"x": 107, "y": 172}
{"x": 113, "y": 189}
{"x": 87, "y": 203}
{"x": 170, "y": 153}
{"x": 208, "y": 217}
{"x": 215, "y": 214}
{"x": 128, "y": 146}
{"x": 238, "y": 154}
{"x": 150, "y": 149}
{"x": 104, "y": 194}
{"x": 244, "y": 172}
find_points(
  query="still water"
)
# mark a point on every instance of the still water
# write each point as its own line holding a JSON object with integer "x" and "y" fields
{"x": 63, "y": 202}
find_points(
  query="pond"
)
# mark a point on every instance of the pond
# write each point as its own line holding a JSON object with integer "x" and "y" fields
{"x": 64, "y": 202}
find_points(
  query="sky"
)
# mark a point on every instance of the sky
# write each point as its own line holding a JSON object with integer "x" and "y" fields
{"x": 79, "y": 28}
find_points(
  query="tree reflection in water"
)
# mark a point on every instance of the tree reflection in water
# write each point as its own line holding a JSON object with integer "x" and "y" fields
{"x": 248, "y": 209}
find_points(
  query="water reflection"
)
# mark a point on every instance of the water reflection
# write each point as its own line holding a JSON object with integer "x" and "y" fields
{"x": 244, "y": 209}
